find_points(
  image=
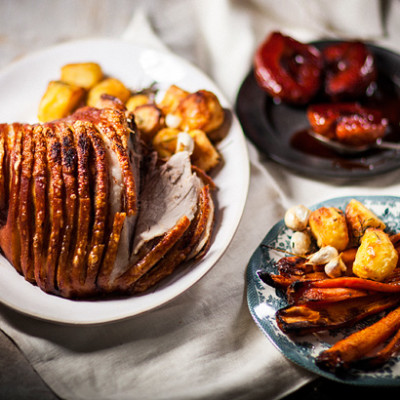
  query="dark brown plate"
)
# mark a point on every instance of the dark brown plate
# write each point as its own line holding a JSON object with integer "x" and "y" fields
{"x": 279, "y": 129}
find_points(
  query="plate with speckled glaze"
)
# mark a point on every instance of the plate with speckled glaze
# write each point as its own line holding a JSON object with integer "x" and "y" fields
{"x": 264, "y": 301}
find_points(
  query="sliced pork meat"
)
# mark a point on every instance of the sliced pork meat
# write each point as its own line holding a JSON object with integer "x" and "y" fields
{"x": 169, "y": 192}
{"x": 87, "y": 211}
{"x": 170, "y": 200}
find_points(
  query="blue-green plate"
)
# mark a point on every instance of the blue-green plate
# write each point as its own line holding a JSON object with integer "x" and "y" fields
{"x": 264, "y": 301}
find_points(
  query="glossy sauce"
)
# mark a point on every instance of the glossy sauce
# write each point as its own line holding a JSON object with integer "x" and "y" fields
{"x": 305, "y": 143}
{"x": 386, "y": 98}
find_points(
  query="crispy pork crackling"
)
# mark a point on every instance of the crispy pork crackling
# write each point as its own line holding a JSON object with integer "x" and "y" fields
{"x": 87, "y": 210}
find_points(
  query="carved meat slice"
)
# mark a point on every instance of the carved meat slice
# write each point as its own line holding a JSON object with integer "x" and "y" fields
{"x": 69, "y": 206}
{"x": 40, "y": 186}
{"x": 113, "y": 126}
{"x": 3, "y": 172}
{"x": 169, "y": 192}
{"x": 123, "y": 153}
{"x": 82, "y": 145}
{"x": 54, "y": 206}
{"x": 175, "y": 222}
{"x": 202, "y": 237}
{"x": 25, "y": 213}
{"x": 69, "y": 168}
{"x": 9, "y": 233}
{"x": 165, "y": 265}
{"x": 103, "y": 280}
{"x": 137, "y": 270}
{"x": 192, "y": 242}
{"x": 100, "y": 195}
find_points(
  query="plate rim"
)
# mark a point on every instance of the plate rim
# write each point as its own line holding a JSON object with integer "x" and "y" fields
{"x": 237, "y": 209}
{"x": 252, "y": 278}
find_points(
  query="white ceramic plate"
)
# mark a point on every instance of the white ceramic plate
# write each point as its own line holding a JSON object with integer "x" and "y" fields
{"x": 23, "y": 84}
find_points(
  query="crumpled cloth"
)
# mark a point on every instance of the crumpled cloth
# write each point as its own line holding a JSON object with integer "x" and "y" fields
{"x": 203, "y": 344}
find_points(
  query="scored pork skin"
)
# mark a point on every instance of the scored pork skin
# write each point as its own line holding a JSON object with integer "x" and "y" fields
{"x": 98, "y": 212}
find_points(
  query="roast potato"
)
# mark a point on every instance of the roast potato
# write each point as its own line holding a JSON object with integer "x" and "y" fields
{"x": 359, "y": 218}
{"x": 328, "y": 226}
{"x": 149, "y": 120}
{"x": 376, "y": 258}
{"x": 164, "y": 142}
{"x": 137, "y": 100}
{"x": 108, "y": 101}
{"x": 85, "y": 75}
{"x": 172, "y": 97}
{"x": 110, "y": 86}
{"x": 205, "y": 155}
{"x": 200, "y": 110}
{"x": 59, "y": 100}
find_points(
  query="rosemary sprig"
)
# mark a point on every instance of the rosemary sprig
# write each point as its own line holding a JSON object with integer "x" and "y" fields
{"x": 282, "y": 251}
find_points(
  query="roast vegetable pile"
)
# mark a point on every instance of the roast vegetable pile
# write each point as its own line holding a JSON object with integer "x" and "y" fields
{"x": 342, "y": 269}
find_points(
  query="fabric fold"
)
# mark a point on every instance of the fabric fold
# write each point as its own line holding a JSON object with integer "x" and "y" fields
{"x": 203, "y": 344}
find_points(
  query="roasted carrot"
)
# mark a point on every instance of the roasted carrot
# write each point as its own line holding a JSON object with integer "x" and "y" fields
{"x": 324, "y": 295}
{"x": 284, "y": 281}
{"x": 383, "y": 355}
{"x": 306, "y": 318}
{"x": 345, "y": 352}
{"x": 349, "y": 282}
{"x": 276, "y": 281}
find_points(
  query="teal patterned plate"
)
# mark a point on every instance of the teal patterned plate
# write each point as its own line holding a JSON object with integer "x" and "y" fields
{"x": 264, "y": 301}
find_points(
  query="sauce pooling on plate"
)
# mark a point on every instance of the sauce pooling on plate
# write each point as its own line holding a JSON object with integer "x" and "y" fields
{"x": 384, "y": 96}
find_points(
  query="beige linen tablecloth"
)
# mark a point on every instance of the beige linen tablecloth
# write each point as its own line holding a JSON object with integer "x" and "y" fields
{"x": 203, "y": 344}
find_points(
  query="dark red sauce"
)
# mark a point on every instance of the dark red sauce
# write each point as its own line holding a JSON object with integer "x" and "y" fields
{"x": 385, "y": 97}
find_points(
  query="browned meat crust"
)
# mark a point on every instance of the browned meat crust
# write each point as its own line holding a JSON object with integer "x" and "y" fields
{"x": 69, "y": 205}
{"x": 25, "y": 213}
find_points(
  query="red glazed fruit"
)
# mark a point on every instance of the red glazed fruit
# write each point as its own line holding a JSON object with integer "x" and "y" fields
{"x": 349, "y": 70}
{"x": 349, "y": 123}
{"x": 287, "y": 69}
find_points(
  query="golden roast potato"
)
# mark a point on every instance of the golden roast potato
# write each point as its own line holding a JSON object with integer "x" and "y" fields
{"x": 85, "y": 75}
{"x": 205, "y": 155}
{"x": 110, "y": 86}
{"x": 164, "y": 142}
{"x": 149, "y": 120}
{"x": 172, "y": 97}
{"x": 200, "y": 110}
{"x": 59, "y": 100}
{"x": 359, "y": 218}
{"x": 137, "y": 100}
{"x": 376, "y": 258}
{"x": 328, "y": 226}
